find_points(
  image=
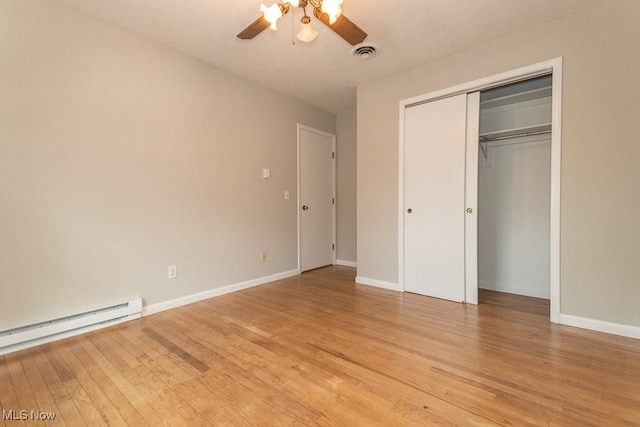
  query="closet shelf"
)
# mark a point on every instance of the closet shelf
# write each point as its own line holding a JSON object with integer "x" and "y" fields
{"x": 517, "y": 98}
{"x": 516, "y": 132}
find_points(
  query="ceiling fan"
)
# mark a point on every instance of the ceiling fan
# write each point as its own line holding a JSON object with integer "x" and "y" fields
{"x": 329, "y": 12}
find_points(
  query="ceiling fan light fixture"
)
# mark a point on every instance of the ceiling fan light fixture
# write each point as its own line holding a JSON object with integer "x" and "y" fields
{"x": 333, "y": 8}
{"x": 307, "y": 33}
{"x": 271, "y": 14}
{"x": 327, "y": 12}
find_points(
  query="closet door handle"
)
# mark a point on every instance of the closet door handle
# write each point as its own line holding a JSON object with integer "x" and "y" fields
{"x": 469, "y": 210}
{"x": 409, "y": 210}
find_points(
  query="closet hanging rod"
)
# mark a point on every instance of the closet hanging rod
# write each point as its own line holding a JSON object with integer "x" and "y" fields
{"x": 516, "y": 135}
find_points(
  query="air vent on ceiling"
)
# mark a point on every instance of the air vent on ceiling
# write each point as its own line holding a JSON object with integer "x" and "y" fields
{"x": 365, "y": 51}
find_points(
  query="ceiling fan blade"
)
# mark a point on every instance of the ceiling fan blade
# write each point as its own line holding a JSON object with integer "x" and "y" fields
{"x": 343, "y": 27}
{"x": 255, "y": 28}
{"x": 259, "y": 25}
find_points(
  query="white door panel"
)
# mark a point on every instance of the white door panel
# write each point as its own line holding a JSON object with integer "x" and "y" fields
{"x": 316, "y": 198}
{"x": 471, "y": 198}
{"x": 434, "y": 233}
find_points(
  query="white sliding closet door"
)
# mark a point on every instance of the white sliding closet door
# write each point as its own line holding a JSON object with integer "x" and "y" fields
{"x": 434, "y": 198}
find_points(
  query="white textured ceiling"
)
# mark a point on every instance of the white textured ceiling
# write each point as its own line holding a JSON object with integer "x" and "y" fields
{"x": 323, "y": 73}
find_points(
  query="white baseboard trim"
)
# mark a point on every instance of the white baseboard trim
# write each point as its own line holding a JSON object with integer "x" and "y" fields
{"x": 190, "y": 299}
{"x": 379, "y": 284}
{"x": 600, "y": 326}
{"x": 346, "y": 263}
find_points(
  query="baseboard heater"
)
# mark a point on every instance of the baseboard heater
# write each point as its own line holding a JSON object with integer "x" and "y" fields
{"x": 51, "y": 330}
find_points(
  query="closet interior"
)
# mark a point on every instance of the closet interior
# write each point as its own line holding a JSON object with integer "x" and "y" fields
{"x": 514, "y": 182}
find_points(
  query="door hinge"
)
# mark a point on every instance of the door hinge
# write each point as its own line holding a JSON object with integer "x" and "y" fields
{"x": 333, "y": 246}
{"x": 333, "y": 201}
{"x": 333, "y": 155}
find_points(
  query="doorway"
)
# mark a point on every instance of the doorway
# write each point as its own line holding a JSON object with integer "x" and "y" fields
{"x": 514, "y": 182}
{"x": 468, "y": 259}
{"x": 316, "y": 198}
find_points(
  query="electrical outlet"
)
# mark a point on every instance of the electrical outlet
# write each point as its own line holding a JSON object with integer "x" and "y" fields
{"x": 173, "y": 272}
{"x": 264, "y": 256}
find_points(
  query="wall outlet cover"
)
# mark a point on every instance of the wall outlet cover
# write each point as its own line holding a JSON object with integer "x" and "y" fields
{"x": 172, "y": 272}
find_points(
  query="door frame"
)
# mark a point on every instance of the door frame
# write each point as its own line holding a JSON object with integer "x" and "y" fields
{"x": 333, "y": 189}
{"x": 553, "y": 67}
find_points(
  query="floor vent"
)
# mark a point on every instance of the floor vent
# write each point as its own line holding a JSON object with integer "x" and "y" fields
{"x": 51, "y": 330}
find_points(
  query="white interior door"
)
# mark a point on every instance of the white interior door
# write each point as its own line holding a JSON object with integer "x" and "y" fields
{"x": 434, "y": 209}
{"x": 316, "y": 198}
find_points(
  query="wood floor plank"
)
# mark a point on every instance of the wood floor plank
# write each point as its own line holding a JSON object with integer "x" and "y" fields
{"x": 318, "y": 349}
{"x": 8, "y": 396}
{"x": 99, "y": 369}
{"x": 45, "y": 401}
{"x": 143, "y": 398}
{"x": 167, "y": 374}
{"x": 236, "y": 362}
{"x": 26, "y": 398}
{"x": 147, "y": 386}
{"x": 67, "y": 407}
{"x": 334, "y": 376}
{"x": 91, "y": 402}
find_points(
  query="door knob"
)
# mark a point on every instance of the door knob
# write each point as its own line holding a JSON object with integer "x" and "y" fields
{"x": 469, "y": 210}
{"x": 305, "y": 207}
{"x": 409, "y": 210}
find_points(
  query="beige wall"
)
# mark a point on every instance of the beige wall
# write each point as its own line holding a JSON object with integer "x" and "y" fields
{"x": 346, "y": 184}
{"x": 120, "y": 157}
{"x": 600, "y": 238}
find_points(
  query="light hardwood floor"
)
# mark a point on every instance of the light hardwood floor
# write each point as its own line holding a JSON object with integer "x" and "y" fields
{"x": 318, "y": 349}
